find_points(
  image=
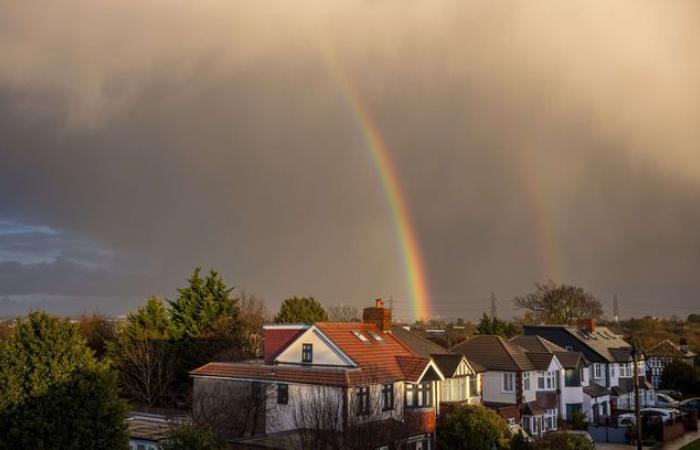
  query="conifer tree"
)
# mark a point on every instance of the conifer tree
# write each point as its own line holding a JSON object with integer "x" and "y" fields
{"x": 53, "y": 393}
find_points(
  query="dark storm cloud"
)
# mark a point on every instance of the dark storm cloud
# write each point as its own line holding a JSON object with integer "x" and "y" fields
{"x": 215, "y": 134}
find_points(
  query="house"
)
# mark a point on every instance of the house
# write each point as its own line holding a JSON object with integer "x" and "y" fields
{"x": 661, "y": 354}
{"x": 149, "y": 429}
{"x": 611, "y": 364}
{"x": 521, "y": 386}
{"x": 462, "y": 383}
{"x": 577, "y": 392}
{"x": 345, "y": 380}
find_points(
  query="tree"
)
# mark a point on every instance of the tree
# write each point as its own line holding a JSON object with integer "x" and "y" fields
{"x": 563, "y": 441}
{"x": 560, "y": 304}
{"x": 679, "y": 376}
{"x": 301, "y": 310}
{"x": 192, "y": 437}
{"x": 200, "y": 303}
{"x": 144, "y": 356}
{"x": 493, "y": 325}
{"x": 474, "y": 427}
{"x": 343, "y": 313}
{"x": 693, "y": 318}
{"x": 253, "y": 315}
{"x": 98, "y": 332}
{"x": 53, "y": 393}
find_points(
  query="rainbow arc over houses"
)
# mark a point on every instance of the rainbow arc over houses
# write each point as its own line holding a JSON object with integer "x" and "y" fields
{"x": 412, "y": 256}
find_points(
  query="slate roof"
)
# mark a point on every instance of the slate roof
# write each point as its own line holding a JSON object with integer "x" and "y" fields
{"x": 538, "y": 344}
{"x": 602, "y": 341}
{"x": 447, "y": 363}
{"x": 495, "y": 353}
{"x": 595, "y": 390}
{"x": 418, "y": 343}
{"x": 541, "y": 361}
{"x": 668, "y": 348}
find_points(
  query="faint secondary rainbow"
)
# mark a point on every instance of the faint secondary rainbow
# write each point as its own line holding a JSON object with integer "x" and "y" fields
{"x": 544, "y": 226}
{"x": 412, "y": 257}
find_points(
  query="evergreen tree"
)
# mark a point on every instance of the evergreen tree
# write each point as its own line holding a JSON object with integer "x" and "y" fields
{"x": 53, "y": 393}
{"x": 192, "y": 437}
{"x": 496, "y": 326}
{"x": 199, "y": 304}
{"x": 301, "y": 310}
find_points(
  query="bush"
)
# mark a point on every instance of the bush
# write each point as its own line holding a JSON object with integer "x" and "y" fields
{"x": 564, "y": 441}
{"x": 474, "y": 427}
{"x": 192, "y": 437}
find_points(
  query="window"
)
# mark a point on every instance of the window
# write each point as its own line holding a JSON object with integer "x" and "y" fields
{"x": 626, "y": 369}
{"x": 572, "y": 378}
{"x": 388, "y": 397}
{"x": 419, "y": 395}
{"x": 363, "y": 400}
{"x": 307, "y": 353}
{"x": 375, "y": 336}
{"x": 540, "y": 380}
{"x": 474, "y": 386}
{"x": 526, "y": 381}
{"x": 612, "y": 370}
{"x": 360, "y": 336}
{"x": 508, "y": 382}
{"x": 597, "y": 370}
{"x": 282, "y": 394}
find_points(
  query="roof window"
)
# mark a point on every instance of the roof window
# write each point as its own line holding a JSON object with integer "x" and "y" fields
{"x": 376, "y": 336}
{"x": 360, "y": 336}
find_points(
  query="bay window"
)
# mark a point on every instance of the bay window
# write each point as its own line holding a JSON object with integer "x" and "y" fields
{"x": 419, "y": 395}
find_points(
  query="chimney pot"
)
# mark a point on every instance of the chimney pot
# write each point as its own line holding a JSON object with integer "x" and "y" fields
{"x": 379, "y": 303}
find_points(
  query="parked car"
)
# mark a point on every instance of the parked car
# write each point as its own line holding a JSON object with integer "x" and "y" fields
{"x": 665, "y": 401}
{"x": 663, "y": 414}
{"x": 690, "y": 404}
{"x": 674, "y": 394}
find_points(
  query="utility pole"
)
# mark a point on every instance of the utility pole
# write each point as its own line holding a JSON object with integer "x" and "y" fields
{"x": 616, "y": 309}
{"x": 493, "y": 305}
{"x": 637, "y": 414}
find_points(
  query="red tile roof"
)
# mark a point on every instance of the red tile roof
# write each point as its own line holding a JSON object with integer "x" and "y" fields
{"x": 412, "y": 367}
{"x": 378, "y": 360}
{"x": 326, "y": 376}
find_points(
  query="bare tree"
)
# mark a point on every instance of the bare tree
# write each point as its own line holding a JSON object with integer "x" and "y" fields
{"x": 146, "y": 368}
{"x": 233, "y": 409}
{"x": 343, "y": 313}
{"x": 253, "y": 314}
{"x": 560, "y": 304}
{"x": 352, "y": 419}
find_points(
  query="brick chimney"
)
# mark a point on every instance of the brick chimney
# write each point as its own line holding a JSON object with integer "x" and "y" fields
{"x": 586, "y": 324}
{"x": 684, "y": 345}
{"x": 378, "y": 315}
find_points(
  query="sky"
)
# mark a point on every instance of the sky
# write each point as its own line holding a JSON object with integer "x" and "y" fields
{"x": 532, "y": 140}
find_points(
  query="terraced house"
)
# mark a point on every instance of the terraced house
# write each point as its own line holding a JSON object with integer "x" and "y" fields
{"x": 328, "y": 381}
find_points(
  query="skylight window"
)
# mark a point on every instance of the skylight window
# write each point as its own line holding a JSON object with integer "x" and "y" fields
{"x": 360, "y": 336}
{"x": 376, "y": 337}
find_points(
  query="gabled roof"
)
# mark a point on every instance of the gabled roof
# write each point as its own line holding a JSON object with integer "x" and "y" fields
{"x": 541, "y": 361}
{"x": 538, "y": 344}
{"x": 670, "y": 349}
{"x": 495, "y": 353}
{"x": 602, "y": 341}
{"x": 417, "y": 343}
{"x": 414, "y": 368}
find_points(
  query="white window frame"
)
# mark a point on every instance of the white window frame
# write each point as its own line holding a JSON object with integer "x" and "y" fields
{"x": 597, "y": 370}
{"x": 508, "y": 378}
{"x": 526, "y": 381}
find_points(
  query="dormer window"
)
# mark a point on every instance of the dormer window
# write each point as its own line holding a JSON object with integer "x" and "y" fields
{"x": 360, "y": 336}
{"x": 307, "y": 353}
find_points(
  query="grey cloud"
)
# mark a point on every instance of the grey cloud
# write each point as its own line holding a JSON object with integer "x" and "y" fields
{"x": 219, "y": 135}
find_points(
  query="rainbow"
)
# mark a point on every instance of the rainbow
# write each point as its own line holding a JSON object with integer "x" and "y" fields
{"x": 412, "y": 257}
{"x": 544, "y": 228}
